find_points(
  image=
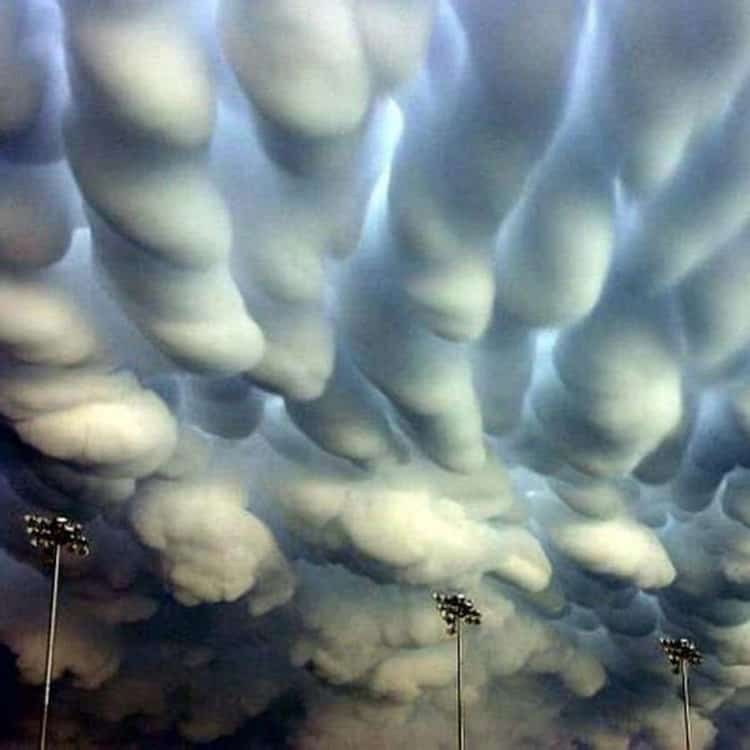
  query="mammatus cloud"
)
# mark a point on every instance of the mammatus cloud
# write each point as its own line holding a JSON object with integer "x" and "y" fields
{"x": 209, "y": 547}
{"x": 307, "y": 313}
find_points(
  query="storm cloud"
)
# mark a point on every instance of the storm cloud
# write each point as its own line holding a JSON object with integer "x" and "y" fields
{"x": 310, "y": 309}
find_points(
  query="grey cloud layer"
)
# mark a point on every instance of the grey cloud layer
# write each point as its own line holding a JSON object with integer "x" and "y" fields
{"x": 310, "y": 312}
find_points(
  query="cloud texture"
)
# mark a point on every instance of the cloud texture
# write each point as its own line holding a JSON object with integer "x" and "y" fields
{"x": 310, "y": 309}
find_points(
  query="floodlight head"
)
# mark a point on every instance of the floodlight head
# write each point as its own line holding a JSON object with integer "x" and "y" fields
{"x": 680, "y": 651}
{"x": 455, "y": 608}
{"x": 49, "y": 533}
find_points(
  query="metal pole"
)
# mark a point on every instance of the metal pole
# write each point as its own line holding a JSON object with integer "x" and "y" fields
{"x": 459, "y": 701}
{"x": 50, "y": 647}
{"x": 686, "y": 702}
{"x": 49, "y": 536}
{"x": 455, "y": 609}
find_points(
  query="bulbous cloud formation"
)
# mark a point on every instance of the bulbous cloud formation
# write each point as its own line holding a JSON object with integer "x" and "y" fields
{"x": 138, "y": 157}
{"x": 308, "y": 309}
{"x": 215, "y": 556}
{"x": 89, "y": 650}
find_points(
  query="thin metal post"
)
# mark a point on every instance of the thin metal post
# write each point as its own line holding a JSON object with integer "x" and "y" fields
{"x": 459, "y": 676}
{"x": 49, "y": 536}
{"x": 681, "y": 652}
{"x": 51, "y": 629}
{"x": 686, "y": 703}
{"x": 455, "y": 609}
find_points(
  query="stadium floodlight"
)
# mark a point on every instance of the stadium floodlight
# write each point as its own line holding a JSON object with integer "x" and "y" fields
{"x": 51, "y": 536}
{"x": 456, "y": 609}
{"x": 681, "y": 653}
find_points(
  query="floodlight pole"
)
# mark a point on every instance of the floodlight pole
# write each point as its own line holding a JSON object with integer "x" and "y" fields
{"x": 681, "y": 653}
{"x": 51, "y": 630}
{"x": 454, "y": 610}
{"x": 686, "y": 703}
{"x": 459, "y": 675}
{"x": 51, "y": 535}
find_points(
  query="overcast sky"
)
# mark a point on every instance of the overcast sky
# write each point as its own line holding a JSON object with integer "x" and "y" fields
{"x": 308, "y": 309}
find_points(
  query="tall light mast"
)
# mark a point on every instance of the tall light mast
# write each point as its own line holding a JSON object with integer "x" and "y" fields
{"x": 50, "y": 536}
{"x": 456, "y": 609}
